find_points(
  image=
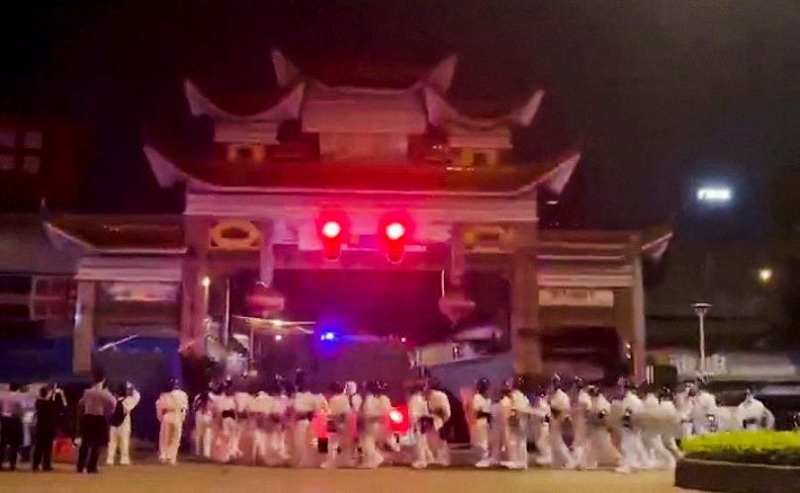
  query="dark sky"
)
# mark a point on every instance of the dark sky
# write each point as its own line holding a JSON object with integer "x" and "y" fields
{"x": 662, "y": 92}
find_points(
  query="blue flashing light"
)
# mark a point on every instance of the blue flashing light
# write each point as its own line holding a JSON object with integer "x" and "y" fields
{"x": 328, "y": 336}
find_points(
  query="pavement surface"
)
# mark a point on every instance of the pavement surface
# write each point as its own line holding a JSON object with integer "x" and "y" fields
{"x": 208, "y": 478}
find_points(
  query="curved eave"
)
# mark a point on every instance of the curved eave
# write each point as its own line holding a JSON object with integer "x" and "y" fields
{"x": 378, "y": 178}
{"x": 285, "y": 105}
{"x": 656, "y": 242}
{"x": 61, "y": 237}
{"x": 443, "y": 114}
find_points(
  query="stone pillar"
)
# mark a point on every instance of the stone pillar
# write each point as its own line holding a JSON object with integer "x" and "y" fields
{"x": 638, "y": 322}
{"x": 194, "y": 309}
{"x": 525, "y": 345}
{"x": 83, "y": 340}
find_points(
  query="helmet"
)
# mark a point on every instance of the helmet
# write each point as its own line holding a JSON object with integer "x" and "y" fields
{"x": 555, "y": 381}
{"x": 351, "y": 387}
{"x": 372, "y": 387}
{"x": 593, "y": 390}
{"x": 578, "y": 383}
{"x": 482, "y": 386}
{"x": 383, "y": 386}
{"x": 665, "y": 394}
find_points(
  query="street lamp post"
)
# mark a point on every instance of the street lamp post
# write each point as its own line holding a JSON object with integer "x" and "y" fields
{"x": 700, "y": 309}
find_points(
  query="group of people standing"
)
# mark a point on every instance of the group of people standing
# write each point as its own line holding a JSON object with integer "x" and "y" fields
{"x": 276, "y": 426}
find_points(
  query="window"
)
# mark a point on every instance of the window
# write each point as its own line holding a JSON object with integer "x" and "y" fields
{"x": 15, "y": 284}
{"x": 30, "y": 164}
{"x": 479, "y": 159}
{"x": 8, "y": 138}
{"x": 32, "y": 140}
{"x": 51, "y": 298}
{"x": 7, "y": 162}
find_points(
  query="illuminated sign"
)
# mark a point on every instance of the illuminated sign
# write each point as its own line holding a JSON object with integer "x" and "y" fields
{"x": 718, "y": 195}
{"x": 602, "y": 298}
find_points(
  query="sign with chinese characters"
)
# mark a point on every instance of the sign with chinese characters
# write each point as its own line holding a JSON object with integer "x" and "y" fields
{"x": 715, "y": 365}
{"x": 603, "y": 298}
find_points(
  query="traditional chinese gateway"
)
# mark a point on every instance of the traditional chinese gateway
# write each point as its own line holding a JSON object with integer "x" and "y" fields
{"x": 359, "y": 170}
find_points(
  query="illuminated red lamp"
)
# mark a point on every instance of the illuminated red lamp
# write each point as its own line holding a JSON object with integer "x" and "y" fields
{"x": 265, "y": 299}
{"x": 394, "y": 232}
{"x": 333, "y": 230}
{"x": 456, "y": 306}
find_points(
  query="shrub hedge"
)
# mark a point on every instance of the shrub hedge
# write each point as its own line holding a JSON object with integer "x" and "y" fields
{"x": 780, "y": 448}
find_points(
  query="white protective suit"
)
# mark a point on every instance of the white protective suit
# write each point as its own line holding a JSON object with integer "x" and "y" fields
{"x": 439, "y": 406}
{"x": 244, "y": 443}
{"x": 417, "y": 413}
{"x": 119, "y": 437}
{"x": 374, "y": 411}
{"x": 171, "y": 409}
{"x": 339, "y": 415}
{"x": 671, "y": 427}
{"x": 223, "y": 409}
{"x": 653, "y": 424}
{"x": 305, "y": 404}
{"x": 515, "y": 412}
{"x": 705, "y": 414}
{"x": 684, "y": 405}
{"x": 580, "y": 431}
{"x": 631, "y": 447}
{"x": 203, "y": 426}
{"x": 560, "y": 408}
{"x": 752, "y": 414}
{"x": 481, "y": 409}
{"x": 600, "y": 450}
{"x": 539, "y": 429}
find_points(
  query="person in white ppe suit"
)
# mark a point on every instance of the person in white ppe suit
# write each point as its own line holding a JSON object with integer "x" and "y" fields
{"x": 439, "y": 407}
{"x": 373, "y": 411}
{"x": 339, "y": 413}
{"x": 653, "y": 424}
{"x": 629, "y": 415}
{"x": 223, "y": 409}
{"x": 306, "y": 405}
{"x": 600, "y": 450}
{"x": 581, "y": 404}
{"x": 119, "y": 436}
{"x": 349, "y": 447}
{"x": 684, "y": 404}
{"x": 481, "y": 408}
{"x": 752, "y": 414}
{"x": 515, "y": 412}
{"x": 422, "y": 426}
{"x": 539, "y": 428}
{"x": 244, "y": 446}
{"x": 705, "y": 413}
{"x": 672, "y": 423}
{"x": 204, "y": 422}
{"x": 268, "y": 415}
{"x": 560, "y": 418}
{"x": 171, "y": 409}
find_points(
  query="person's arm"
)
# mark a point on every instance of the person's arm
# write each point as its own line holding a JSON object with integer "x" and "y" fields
{"x": 130, "y": 402}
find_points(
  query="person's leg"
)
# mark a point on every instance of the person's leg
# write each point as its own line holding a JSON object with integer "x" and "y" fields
{"x": 83, "y": 454}
{"x": 47, "y": 452}
{"x": 37, "y": 451}
{"x": 113, "y": 445}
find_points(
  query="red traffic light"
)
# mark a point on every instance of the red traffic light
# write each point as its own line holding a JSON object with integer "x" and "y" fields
{"x": 395, "y": 231}
{"x": 331, "y": 229}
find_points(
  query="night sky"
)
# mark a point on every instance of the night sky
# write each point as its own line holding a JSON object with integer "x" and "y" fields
{"x": 659, "y": 93}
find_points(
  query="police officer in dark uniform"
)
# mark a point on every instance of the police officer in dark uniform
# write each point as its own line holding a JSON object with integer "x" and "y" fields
{"x": 49, "y": 405}
{"x": 95, "y": 407}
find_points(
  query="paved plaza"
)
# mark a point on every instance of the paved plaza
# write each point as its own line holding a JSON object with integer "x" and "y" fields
{"x": 208, "y": 478}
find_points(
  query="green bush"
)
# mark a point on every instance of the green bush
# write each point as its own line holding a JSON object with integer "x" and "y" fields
{"x": 752, "y": 447}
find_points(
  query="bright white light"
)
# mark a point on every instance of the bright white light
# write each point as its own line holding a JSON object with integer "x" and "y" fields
{"x": 395, "y": 231}
{"x": 206, "y": 282}
{"x": 278, "y": 338}
{"x": 331, "y": 229}
{"x": 396, "y": 416}
{"x": 402, "y": 339}
{"x": 278, "y": 323}
{"x": 714, "y": 194}
{"x": 765, "y": 275}
{"x": 328, "y": 336}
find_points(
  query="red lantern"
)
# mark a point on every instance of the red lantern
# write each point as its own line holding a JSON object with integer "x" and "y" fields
{"x": 265, "y": 299}
{"x": 456, "y": 306}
